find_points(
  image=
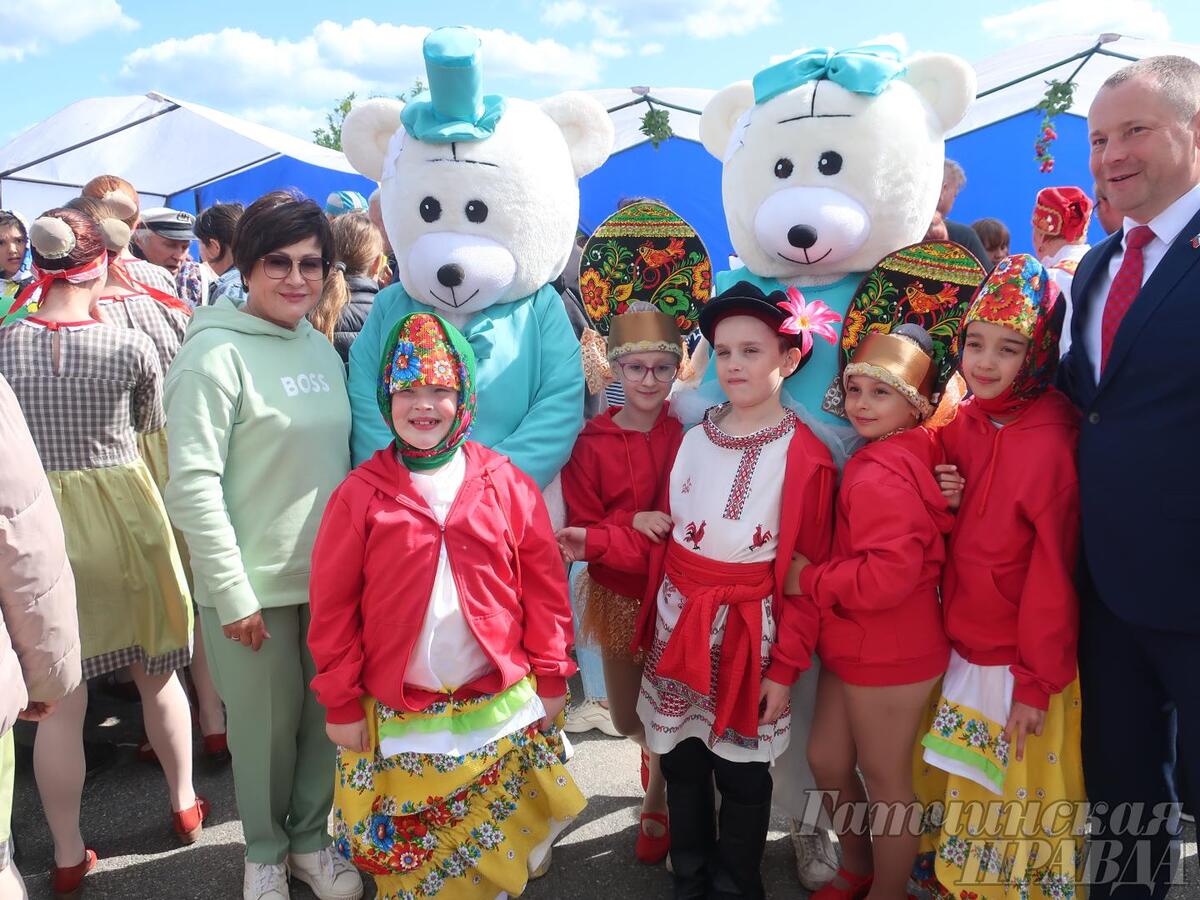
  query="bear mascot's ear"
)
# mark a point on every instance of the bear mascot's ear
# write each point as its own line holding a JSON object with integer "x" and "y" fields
{"x": 585, "y": 125}
{"x": 366, "y": 133}
{"x": 721, "y": 114}
{"x": 946, "y": 82}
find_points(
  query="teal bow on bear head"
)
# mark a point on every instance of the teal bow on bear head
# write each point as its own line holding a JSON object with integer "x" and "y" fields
{"x": 862, "y": 70}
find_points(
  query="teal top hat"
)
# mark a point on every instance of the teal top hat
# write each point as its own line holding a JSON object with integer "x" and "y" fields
{"x": 455, "y": 108}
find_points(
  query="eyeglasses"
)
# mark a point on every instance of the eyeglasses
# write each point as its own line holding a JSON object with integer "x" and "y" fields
{"x": 278, "y": 266}
{"x": 636, "y": 372}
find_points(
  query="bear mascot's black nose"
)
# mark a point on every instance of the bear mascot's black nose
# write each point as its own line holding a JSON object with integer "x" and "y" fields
{"x": 802, "y": 236}
{"x": 451, "y": 274}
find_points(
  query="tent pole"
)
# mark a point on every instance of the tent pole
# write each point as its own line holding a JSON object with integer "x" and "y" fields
{"x": 44, "y": 182}
{"x": 91, "y": 140}
{"x": 1083, "y": 54}
{"x": 650, "y": 98}
{"x": 234, "y": 171}
{"x": 641, "y": 99}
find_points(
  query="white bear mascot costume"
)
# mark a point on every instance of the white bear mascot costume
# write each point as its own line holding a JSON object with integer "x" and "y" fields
{"x": 480, "y": 199}
{"x": 831, "y": 161}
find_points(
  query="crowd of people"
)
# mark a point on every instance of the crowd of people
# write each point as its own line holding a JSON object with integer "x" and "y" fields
{"x": 994, "y": 587}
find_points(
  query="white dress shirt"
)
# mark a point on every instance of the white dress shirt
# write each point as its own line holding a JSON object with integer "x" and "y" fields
{"x": 1166, "y": 227}
{"x": 1067, "y": 253}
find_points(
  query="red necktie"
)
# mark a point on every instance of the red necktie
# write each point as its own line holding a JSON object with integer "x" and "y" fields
{"x": 1125, "y": 287}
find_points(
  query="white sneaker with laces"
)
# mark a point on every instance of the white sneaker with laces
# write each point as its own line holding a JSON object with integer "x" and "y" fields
{"x": 816, "y": 859}
{"x": 590, "y": 715}
{"x": 263, "y": 881}
{"x": 328, "y": 874}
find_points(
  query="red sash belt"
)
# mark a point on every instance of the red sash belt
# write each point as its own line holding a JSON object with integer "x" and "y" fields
{"x": 117, "y": 265}
{"x": 707, "y": 584}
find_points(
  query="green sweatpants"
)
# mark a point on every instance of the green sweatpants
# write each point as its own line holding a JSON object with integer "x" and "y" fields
{"x": 283, "y": 764}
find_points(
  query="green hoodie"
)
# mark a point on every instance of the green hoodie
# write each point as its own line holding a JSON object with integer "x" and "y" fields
{"x": 258, "y": 426}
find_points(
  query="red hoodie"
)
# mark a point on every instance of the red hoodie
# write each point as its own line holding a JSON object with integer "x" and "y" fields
{"x": 1007, "y": 593}
{"x": 614, "y": 473}
{"x": 881, "y": 623}
{"x": 373, "y": 567}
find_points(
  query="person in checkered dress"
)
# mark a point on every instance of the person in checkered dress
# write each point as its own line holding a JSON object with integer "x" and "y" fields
{"x": 88, "y": 390}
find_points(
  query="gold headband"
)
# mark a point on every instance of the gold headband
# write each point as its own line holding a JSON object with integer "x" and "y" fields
{"x": 898, "y": 361}
{"x": 643, "y": 332}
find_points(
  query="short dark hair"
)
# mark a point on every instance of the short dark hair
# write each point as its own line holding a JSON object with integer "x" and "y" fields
{"x": 9, "y": 219}
{"x": 992, "y": 232}
{"x": 218, "y": 223}
{"x": 275, "y": 220}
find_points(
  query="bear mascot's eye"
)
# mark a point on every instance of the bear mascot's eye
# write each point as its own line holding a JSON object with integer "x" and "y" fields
{"x": 476, "y": 211}
{"x": 431, "y": 210}
{"x": 783, "y": 168}
{"x": 830, "y": 163}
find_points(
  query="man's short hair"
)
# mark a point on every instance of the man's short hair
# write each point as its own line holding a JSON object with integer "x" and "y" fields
{"x": 1176, "y": 77}
{"x": 954, "y": 174}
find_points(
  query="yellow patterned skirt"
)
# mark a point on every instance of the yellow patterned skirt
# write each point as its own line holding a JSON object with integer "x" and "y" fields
{"x": 1022, "y": 837}
{"x": 153, "y": 448}
{"x": 434, "y": 825}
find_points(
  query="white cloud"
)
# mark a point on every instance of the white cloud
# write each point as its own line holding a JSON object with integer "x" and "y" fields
{"x": 289, "y": 83}
{"x": 609, "y": 49}
{"x": 704, "y": 19}
{"x": 1051, "y": 18}
{"x": 652, "y": 49}
{"x": 32, "y": 26}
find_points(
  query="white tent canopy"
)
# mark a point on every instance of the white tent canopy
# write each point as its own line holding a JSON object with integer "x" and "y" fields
{"x": 626, "y": 106}
{"x": 162, "y": 145}
{"x": 1014, "y": 81}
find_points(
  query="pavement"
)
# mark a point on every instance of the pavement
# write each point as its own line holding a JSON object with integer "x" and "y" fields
{"x": 126, "y": 819}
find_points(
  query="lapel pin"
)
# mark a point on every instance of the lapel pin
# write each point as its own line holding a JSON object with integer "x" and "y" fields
{"x": 1196, "y": 242}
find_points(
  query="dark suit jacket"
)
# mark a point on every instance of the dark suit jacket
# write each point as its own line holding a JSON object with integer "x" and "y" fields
{"x": 1139, "y": 483}
{"x": 965, "y": 235}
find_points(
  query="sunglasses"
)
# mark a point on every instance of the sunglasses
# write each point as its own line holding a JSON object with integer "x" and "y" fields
{"x": 278, "y": 266}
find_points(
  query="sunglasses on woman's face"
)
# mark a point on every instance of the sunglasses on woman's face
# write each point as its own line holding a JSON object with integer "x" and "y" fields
{"x": 278, "y": 266}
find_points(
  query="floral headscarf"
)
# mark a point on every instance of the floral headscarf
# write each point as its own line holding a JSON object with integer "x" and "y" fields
{"x": 424, "y": 349}
{"x": 1019, "y": 295}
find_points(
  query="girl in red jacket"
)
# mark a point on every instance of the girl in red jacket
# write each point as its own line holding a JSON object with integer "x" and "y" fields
{"x": 440, "y": 632}
{"x": 611, "y": 486}
{"x": 881, "y": 645}
{"x": 1005, "y": 732}
{"x": 725, "y": 641}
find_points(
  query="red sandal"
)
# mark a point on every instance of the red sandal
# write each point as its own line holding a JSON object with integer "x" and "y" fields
{"x": 190, "y": 822}
{"x": 67, "y": 881}
{"x": 650, "y": 849}
{"x": 857, "y": 887}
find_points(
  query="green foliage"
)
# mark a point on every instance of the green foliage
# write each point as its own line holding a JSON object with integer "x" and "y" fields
{"x": 656, "y": 125}
{"x": 1058, "y": 99}
{"x": 331, "y": 134}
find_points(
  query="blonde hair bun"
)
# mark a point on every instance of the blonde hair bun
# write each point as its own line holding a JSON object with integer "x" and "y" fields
{"x": 52, "y": 238}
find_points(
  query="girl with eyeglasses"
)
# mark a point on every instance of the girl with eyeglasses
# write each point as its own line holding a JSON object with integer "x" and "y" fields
{"x": 258, "y": 427}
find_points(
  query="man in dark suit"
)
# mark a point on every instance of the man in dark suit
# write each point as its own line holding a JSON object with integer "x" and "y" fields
{"x": 1134, "y": 372}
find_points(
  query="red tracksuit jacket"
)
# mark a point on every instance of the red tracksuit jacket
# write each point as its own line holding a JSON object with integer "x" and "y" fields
{"x": 373, "y": 567}
{"x": 1008, "y": 594}
{"x": 612, "y": 474}
{"x": 881, "y": 623}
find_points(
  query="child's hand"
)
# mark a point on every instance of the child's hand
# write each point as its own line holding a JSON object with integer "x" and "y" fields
{"x": 951, "y": 483}
{"x": 791, "y": 582}
{"x": 352, "y": 736}
{"x": 773, "y": 699}
{"x": 653, "y": 524}
{"x": 553, "y": 706}
{"x": 572, "y": 544}
{"x": 1023, "y": 720}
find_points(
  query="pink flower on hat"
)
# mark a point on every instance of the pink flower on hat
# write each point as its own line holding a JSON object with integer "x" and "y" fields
{"x": 807, "y": 319}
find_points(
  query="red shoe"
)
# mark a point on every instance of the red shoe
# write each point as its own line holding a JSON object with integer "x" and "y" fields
{"x": 856, "y": 888}
{"x": 190, "y": 822}
{"x": 649, "y": 849}
{"x": 67, "y": 882}
{"x": 216, "y": 747}
{"x": 645, "y": 770}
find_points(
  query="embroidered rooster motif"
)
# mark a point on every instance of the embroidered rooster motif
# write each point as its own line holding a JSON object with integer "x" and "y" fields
{"x": 921, "y": 302}
{"x": 761, "y": 538}
{"x": 687, "y": 486}
{"x": 695, "y": 533}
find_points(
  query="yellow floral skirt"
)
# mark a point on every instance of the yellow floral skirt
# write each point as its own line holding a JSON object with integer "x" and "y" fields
{"x": 434, "y": 825}
{"x": 1024, "y": 842}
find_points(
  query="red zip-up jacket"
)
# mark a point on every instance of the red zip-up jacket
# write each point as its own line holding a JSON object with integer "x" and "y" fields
{"x": 881, "y": 623}
{"x": 614, "y": 473}
{"x": 1008, "y": 595}
{"x": 373, "y": 567}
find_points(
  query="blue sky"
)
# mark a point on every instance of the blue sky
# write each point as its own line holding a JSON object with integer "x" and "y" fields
{"x": 284, "y": 63}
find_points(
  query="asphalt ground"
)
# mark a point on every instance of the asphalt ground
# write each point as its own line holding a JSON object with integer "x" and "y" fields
{"x": 126, "y": 818}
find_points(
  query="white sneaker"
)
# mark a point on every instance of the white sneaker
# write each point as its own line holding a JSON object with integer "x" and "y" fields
{"x": 263, "y": 881}
{"x": 590, "y": 715}
{"x": 329, "y": 875}
{"x": 816, "y": 860}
